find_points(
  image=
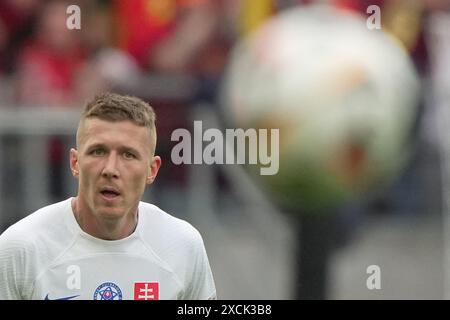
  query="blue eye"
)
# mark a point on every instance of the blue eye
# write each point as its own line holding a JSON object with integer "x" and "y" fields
{"x": 98, "y": 152}
{"x": 128, "y": 155}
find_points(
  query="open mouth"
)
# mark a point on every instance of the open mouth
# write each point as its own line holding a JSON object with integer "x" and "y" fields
{"x": 110, "y": 193}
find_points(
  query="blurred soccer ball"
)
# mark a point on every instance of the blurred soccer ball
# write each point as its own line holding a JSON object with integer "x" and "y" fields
{"x": 344, "y": 98}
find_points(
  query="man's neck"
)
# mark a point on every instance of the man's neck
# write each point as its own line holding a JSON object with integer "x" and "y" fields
{"x": 105, "y": 229}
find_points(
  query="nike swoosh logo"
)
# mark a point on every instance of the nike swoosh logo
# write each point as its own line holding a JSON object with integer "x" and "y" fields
{"x": 64, "y": 298}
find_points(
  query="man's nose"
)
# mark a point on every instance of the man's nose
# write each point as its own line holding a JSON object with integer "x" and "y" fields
{"x": 110, "y": 169}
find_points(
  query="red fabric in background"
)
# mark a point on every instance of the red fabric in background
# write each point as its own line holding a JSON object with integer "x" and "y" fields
{"x": 142, "y": 24}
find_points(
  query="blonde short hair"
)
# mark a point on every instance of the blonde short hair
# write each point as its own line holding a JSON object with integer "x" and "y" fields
{"x": 115, "y": 107}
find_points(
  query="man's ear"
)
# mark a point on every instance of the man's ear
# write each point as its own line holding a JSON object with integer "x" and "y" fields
{"x": 154, "y": 168}
{"x": 74, "y": 162}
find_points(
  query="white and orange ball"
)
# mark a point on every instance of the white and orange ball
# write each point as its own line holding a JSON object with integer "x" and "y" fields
{"x": 343, "y": 97}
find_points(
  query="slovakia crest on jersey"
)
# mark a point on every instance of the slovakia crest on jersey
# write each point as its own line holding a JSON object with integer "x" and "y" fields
{"x": 108, "y": 291}
{"x": 146, "y": 291}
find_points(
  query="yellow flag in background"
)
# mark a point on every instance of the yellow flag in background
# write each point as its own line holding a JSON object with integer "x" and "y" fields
{"x": 253, "y": 13}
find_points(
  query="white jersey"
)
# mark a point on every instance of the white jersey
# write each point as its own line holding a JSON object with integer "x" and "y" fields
{"x": 48, "y": 256}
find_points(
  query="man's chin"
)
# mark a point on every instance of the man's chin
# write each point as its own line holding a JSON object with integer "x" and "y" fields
{"x": 110, "y": 210}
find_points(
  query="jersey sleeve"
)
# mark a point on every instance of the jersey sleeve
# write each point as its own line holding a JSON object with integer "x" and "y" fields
{"x": 201, "y": 285}
{"x": 12, "y": 268}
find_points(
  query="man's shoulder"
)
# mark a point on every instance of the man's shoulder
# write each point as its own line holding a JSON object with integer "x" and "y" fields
{"x": 163, "y": 226}
{"x": 37, "y": 224}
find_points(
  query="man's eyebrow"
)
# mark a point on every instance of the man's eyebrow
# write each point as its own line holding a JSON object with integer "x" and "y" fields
{"x": 122, "y": 148}
{"x": 128, "y": 148}
{"x": 96, "y": 145}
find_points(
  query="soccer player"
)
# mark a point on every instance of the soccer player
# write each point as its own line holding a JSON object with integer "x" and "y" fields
{"x": 106, "y": 244}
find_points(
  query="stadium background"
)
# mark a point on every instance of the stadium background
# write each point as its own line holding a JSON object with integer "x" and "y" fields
{"x": 174, "y": 54}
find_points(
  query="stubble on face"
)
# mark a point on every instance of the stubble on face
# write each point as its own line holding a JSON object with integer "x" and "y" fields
{"x": 114, "y": 161}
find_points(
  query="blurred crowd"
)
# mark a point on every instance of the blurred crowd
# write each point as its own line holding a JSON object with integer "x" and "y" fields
{"x": 44, "y": 63}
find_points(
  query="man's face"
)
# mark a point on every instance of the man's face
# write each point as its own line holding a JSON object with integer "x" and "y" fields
{"x": 113, "y": 164}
